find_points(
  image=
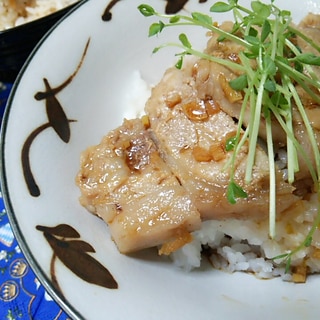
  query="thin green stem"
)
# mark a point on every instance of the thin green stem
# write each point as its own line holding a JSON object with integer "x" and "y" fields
{"x": 272, "y": 178}
{"x": 308, "y": 68}
{"x": 304, "y": 37}
{"x": 309, "y": 129}
{"x": 255, "y": 124}
{"x": 211, "y": 27}
{"x": 292, "y": 157}
{"x": 295, "y": 142}
{"x": 202, "y": 55}
{"x": 296, "y": 75}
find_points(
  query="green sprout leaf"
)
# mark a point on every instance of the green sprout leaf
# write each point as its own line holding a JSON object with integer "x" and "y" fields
{"x": 146, "y": 10}
{"x": 285, "y": 14}
{"x": 253, "y": 32}
{"x": 156, "y": 49}
{"x": 270, "y": 86}
{"x": 270, "y": 67}
{"x": 260, "y": 9}
{"x": 280, "y": 101}
{"x": 265, "y": 31}
{"x": 221, "y": 7}
{"x": 179, "y": 63}
{"x": 298, "y": 66}
{"x": 156, "y": 28}
{"x": 202, "y": 18}
{"x": 184, "y": 40}
{"x": 174, "y": 19}
{"x": 230, "y": 143}
{"x": 308, "y": 58}
{"x": 234, "y": 191}
{"x": 252, "y": 40}
{"x": 239, "y": 83}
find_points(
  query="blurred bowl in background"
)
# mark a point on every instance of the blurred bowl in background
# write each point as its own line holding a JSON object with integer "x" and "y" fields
{"x": 17, "y": 43}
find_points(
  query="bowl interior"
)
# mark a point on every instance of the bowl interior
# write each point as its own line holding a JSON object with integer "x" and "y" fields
{"x": 95, "y": 101}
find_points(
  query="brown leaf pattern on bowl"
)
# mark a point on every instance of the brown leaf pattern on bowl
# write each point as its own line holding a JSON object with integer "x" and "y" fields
{"x": 57, "y": 120}
{"x": 74, "y": 255}
{"x": 172, "y": 7}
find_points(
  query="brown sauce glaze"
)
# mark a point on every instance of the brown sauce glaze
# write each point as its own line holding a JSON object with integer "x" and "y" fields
{"x": 138, "y": 153}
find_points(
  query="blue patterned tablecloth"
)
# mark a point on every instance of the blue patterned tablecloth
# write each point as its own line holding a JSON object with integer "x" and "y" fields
{"x": 21, "y": 294}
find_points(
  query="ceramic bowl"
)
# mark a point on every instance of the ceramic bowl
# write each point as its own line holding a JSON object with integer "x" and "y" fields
{"x": 78, "y": 84}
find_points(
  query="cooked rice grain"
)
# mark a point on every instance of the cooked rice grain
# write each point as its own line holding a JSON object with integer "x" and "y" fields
{"x": 9, "y": 17}
{"x": 235, "y": 245}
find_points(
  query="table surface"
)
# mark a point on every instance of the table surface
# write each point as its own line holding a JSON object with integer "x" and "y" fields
{"x": 21, "y": 294}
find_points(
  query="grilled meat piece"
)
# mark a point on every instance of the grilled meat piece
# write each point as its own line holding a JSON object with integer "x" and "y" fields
{"x": 126, "y": 182}
{"x": 191, "y": 130}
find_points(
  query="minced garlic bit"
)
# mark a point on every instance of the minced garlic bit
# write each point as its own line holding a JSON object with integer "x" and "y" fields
{"x": 299, "y": 274}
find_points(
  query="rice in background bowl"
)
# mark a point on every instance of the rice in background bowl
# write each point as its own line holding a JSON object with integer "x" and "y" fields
{"x": 14, "y": 12}
{"x": 21, "y": 30}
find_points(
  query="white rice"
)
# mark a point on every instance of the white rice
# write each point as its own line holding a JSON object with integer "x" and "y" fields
{"x": 10, "y": 18}
{"x": 244, "y": 245}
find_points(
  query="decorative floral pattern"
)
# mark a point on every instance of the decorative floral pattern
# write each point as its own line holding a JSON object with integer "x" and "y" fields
{"x": 57, "y": 120}
{"x": 172, "y": 6}
{"x": 72, "y": 253}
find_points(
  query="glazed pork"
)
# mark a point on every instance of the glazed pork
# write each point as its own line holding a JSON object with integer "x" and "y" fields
{"x": 153, "y": 180}
{"x": 124, "y": 181}
{"x": 154, "y": 183}
{"x": 210, "y": 80}
{"x": 191, "y": 129}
